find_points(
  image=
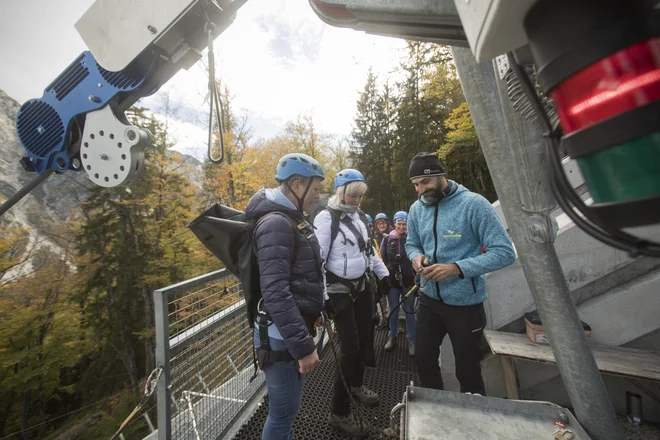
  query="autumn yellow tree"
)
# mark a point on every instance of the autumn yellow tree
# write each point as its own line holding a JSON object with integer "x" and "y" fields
{"x": 301, "y": 135}
{"x": 230, "y": 183}
{"x": 40, "y": 337}
{"x": 13, "y": 250}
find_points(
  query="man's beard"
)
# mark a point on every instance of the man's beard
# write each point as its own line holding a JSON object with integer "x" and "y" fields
{"x": 430, "y": 196}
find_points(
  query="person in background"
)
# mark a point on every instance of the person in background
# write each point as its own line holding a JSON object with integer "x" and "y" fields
{"x": 380, "y": 297}
{"x": 349, "y": 259}
{"x": 448, "y": 228}
{"x": 393, "y": 250}
{"x": 377, "y": 300}
{"x": 382, "y": 227}
{"x": 381, "y": 230}
{"x": 292, "y": 291}
{"x": 372, "y": 233}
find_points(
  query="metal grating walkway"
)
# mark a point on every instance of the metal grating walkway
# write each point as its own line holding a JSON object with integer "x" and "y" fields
{"x": 394, "y": 370}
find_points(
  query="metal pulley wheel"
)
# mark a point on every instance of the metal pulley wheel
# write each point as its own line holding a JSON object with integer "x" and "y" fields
{"x": 112, "y": 151}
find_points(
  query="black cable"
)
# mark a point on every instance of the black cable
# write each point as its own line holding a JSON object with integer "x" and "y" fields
{"x": 622, "y": 239}
{"x": 633, "y": 243}
{"x": 25, "y": 190}
{"x": 562, "y": 190}
{"x": 413, "y": 291}
{"x": 400, "y": 304}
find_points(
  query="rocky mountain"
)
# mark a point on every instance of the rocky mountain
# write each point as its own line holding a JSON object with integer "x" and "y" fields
{"x": 46, "y": 206}
{"x": 192, "y": 167}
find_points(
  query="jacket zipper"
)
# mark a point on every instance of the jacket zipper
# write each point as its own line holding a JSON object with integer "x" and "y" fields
{"x": 435, "y": 249}
{"x": 474, "y": 286}
{"x": 345, "y": 264}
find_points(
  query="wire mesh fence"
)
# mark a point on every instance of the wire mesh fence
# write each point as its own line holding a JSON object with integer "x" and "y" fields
{"x": 205, "y": 346}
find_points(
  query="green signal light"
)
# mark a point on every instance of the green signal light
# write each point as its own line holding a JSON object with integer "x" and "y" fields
{"x": 625, "y": 172}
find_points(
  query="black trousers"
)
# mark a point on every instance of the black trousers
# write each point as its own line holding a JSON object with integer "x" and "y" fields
{"x": 465, "y": 325}
{"x": 352, "y": 325}
{"x": 370, "y": 356}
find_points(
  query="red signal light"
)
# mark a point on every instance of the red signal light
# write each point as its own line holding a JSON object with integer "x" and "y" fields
{"x": 623, "y": 81}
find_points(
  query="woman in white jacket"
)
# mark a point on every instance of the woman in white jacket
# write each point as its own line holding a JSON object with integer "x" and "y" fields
{"x": 349, "y": 257}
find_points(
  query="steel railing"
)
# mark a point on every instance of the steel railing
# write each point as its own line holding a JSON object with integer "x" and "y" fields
{"x": 204, "y": 345}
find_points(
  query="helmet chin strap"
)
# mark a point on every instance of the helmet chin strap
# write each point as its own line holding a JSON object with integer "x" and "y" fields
{"x": 301, "y": 200}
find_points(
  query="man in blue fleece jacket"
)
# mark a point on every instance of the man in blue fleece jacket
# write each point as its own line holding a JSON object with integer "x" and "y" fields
{"x": 448, "y": 227}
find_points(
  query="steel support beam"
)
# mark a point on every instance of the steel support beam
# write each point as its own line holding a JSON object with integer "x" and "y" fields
{"x": 515, "y": 155}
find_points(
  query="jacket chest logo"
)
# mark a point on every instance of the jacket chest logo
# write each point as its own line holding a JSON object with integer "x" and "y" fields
{"x": 449, "y": 233}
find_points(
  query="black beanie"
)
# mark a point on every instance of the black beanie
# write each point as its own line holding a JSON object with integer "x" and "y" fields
{"x": 424, "y": 165}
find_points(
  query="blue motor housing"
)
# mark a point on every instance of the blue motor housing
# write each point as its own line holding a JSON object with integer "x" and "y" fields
{"x": 44, "y": 125}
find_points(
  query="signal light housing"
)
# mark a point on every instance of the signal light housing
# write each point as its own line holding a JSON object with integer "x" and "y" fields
{"x": 600, "y": 64}
{"x": 335, "y": 12}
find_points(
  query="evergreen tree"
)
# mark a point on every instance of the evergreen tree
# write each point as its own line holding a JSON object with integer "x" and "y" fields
{"x": 131, "y": 242}
{"x": 371, "y": 153}
{"x": 462, "y": 154}
{"x": 393, "y": 124}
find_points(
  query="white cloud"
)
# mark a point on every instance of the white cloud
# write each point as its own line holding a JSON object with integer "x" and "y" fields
{"x": 278, "y": 58}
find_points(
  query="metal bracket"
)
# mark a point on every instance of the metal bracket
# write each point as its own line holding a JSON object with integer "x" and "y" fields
{"x": 112, "y": 151}
{"x": 410, "y": 394}
{"x": 502, "y": 62}
{"x": 540, "y": 228}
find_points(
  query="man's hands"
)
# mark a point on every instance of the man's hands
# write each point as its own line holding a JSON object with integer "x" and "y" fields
{"x": 438, "y": 272}
{"x": 308, "y": 363}
{"x": 419, "y": 262}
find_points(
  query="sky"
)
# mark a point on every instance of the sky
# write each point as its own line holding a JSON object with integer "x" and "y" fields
{"x": 278, "y": 59}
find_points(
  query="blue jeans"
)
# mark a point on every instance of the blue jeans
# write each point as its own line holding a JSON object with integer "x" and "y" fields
{"x": 393, "y": 297}
{"x": 285, "y": 389}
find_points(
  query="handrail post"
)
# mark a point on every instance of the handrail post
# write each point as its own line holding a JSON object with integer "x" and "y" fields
{"x": 163, "y": 359}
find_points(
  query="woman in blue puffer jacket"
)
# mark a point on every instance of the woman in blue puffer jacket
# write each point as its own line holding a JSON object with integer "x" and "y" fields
{"x": 291, "y": 286}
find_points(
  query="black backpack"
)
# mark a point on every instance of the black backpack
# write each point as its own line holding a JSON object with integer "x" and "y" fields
{"x": 228, "y": 234}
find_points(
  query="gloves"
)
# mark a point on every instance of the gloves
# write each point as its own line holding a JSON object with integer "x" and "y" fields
{"x": 329, "y": 308}
{"x": 385, "y": 285}
{"x": 375, "y": 319}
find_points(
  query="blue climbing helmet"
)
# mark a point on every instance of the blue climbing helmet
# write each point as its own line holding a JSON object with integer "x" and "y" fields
{"x": 347, "y": 176}
{"x": 382, "y": 216}
{"x": 369, "y": 219}
{"x": 298, "y": 164}
{"x": 301, "y": 165}
{"x": 400, "y": 215}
